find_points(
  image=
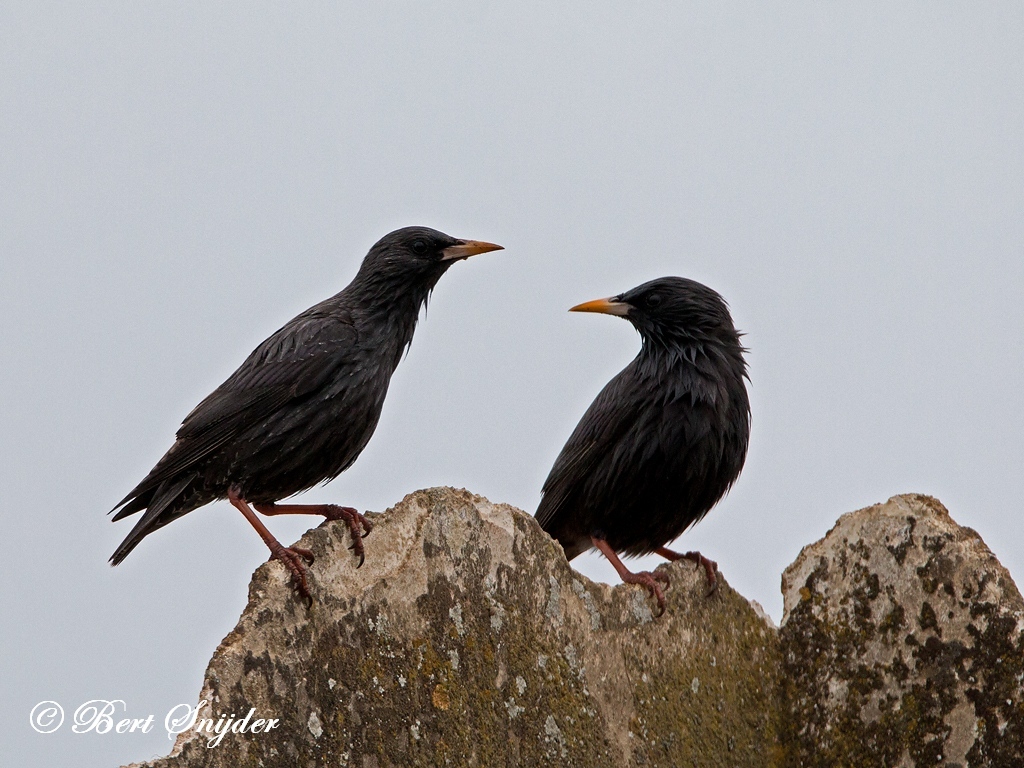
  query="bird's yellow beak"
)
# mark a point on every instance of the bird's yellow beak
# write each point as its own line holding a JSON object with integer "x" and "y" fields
{"x": 604, "y": 306}
{"x": 468, "y": 248}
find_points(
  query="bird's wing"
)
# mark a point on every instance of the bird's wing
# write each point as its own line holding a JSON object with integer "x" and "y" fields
{"x": 296, "y": 360}
{"x": 607, "y": 419}
{"x": 293, "y": 362}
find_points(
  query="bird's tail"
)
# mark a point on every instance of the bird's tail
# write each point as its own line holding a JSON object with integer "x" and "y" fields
{"x": 165, "y": 503}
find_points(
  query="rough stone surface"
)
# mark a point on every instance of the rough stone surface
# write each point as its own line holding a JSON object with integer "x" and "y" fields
{"x": 466, "y": 639}
{"x": 902, "y": 645}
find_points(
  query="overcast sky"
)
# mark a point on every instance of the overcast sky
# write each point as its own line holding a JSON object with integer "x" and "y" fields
{"x": 177, "y": 180}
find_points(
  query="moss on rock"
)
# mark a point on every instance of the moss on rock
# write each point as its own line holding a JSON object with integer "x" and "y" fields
{"x": 466, "y": 639}
{"x": 902, "y": 645}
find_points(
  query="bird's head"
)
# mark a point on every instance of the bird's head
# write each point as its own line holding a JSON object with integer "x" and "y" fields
{"x": 418, "y": 255}
{"x": 671, "y": 311}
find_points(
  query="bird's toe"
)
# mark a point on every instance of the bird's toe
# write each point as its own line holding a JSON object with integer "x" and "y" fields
{"x": 650, "y": 581}
{"x": 359, "y": 527}
{"x": 294, "y": 559}
{"x": 710, "y": 569}
{"x": 357, "y": 549}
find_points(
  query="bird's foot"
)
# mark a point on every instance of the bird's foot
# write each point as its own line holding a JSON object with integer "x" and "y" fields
{"x": 650, "y": 581}
{"x": 294, "y": 559}
{"x": 643, "y": 578}
{"x": 710, "y": 566}
{"x": 358, "y": 526}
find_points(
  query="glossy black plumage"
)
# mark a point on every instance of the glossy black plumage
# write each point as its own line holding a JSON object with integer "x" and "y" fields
{"x": 304, "y": 404}
{"x": 665, "y": 438}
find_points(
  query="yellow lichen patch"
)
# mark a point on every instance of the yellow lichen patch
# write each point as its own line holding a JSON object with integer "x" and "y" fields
{"x": 440, "y": 697}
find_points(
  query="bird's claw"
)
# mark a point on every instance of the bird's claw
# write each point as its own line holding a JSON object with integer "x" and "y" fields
{"x": 357, "y": 548}
{"x": 710, "y": 568}
{"x": 294, "y": 559}
{"x": 338, "y": 512}
{"x": 650, "y": 582}
{"x": 358, "y": 526}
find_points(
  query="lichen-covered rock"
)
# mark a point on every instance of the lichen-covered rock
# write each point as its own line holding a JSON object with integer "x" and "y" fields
{"x": 902, "y": 645}
{"x": 466, "y": 639}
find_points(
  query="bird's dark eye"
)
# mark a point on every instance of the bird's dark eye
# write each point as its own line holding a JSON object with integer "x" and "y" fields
{"x": 420, "y": 247}
{"x": 653, "y": 300}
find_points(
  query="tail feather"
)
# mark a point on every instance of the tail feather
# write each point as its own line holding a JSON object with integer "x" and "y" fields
{"x": 132, "y": 505}
{"x": 164, "y": 504}
{"x": 576, "y": 548}
{"x": 142, "y": 494}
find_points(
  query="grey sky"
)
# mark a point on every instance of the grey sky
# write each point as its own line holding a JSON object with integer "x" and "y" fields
{"x": 178, "y": 180}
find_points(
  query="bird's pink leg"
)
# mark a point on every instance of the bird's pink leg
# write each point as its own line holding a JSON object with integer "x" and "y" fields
{"x": 644, "y": 578}
{"x": 357, "y": 523}
{"x": 292, "y": 557}
{"x": 710, "y": 566}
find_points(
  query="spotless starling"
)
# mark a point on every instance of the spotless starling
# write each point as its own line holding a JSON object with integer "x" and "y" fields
{"x": 664, "y": 440}
{"x": 303, "y": 405}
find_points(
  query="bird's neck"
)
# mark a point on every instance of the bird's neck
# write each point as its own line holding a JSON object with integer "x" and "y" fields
{"x": 390, "y": 307}
{"x": 700, "y": 355}
{"x": 397, "y": 323}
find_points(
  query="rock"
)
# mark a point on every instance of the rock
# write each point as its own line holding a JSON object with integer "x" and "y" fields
{"x": 466, "y": 639}
{"x": 902, "y": 645}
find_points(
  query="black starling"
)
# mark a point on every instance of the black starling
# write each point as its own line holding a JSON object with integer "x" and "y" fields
{"x": 665, "y": 438}
{"x": 303, "y": 405}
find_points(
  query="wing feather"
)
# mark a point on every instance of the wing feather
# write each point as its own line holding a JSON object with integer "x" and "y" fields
{"x": 297, "y": 360}
{"x": 607, "y": 419}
